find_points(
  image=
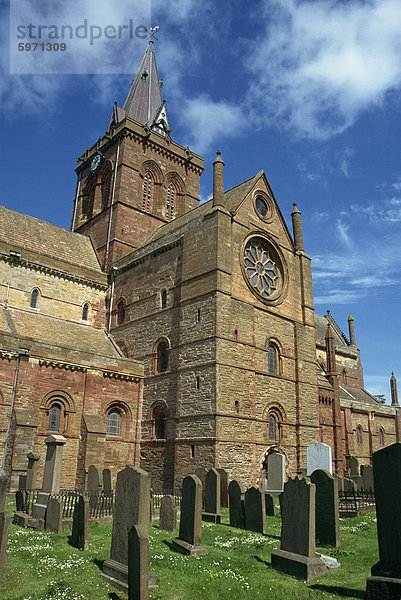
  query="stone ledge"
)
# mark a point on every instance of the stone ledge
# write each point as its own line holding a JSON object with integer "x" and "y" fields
{"x": 298, "y": 566}
{"x": 189, "y": 549}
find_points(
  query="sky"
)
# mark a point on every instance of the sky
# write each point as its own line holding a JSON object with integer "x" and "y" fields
{"x": 309, "y": 91}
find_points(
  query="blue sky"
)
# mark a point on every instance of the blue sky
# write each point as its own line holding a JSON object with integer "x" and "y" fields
{"x": 307, "y": 91}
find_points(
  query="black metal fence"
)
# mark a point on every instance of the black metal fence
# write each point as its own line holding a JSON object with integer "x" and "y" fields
{"x": 353, "y": 503}
{"x": 101, "y": 504}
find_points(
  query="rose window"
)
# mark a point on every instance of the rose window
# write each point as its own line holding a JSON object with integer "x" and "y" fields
{"x": 261, "y": 268}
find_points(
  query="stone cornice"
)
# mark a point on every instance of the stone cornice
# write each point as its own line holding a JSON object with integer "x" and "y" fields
{"x": 56, "y": 364}
{"x": 149, "y": 254}
{"x": 121, "y": 376}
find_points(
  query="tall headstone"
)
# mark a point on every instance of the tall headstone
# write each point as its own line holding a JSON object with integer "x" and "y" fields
{"x": 367, "y": 478}
{"x": 95, "y": 479}
{"x": 255, "y": 510}
{"x": 355, "y": 472}
{"x": 327, "y": 508}
{"x": 269, "y": 505}
{"x": 4, "y": 522}
{"x": 275, "y": 473}
{"x": 168, "y": 514}
{"x": 318, "y": 456}
{"x": 297, "y": 555}
{"x": 223, "y": 488}
{"x": 131, "y": 508}
{"x": 138, "y": 563}
{"x": 80, "y": 524}
{"x": 385, "y": 581}
{"x": 52, "y": 474}
{"x": 212, "y": 498}
{"x": 236, "y": 505}
{"x": 190, "y": 535}
{"x": 54, "y": 515}
{"x": 33, "y": 458}
{"x": 107, "y": 487}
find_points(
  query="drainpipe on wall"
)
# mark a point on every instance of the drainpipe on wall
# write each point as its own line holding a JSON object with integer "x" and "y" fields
{"x": 111, "y": 299}
{"x": 76, "y": 203}
{"x": 106, "y": 257}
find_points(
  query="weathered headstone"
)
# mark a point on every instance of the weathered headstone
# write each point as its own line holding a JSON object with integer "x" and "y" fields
{"x": 367, "y": 478}
{"x": 318, "y": 456}
{"x": 52, "y": 474}
{"x": 95, "y": 479}
{"x": 4, "y": 521}
{"x": 255, "y": 510}
{"x": 212, "y": 498}
{"x": 33, "y": 458}
{"x": 385, "y": 581}
{"x": 354, "y": 468}
{"x": 168, "y": 514}
{"x": 107, "y": 487}
{"x": 275, "y": 473}
{"x": 223, "y": 488}
{"x": 131, "y": 508}
{"x": 348, "y": 485}
{"x": 190, "y": 535}
{"x": 80, "y": 524}
{"x": 236, "y": 505}
{"x": 54, "y": 515}
{"x": 20, "y": 500}
{"x": 138, "y": 563}
{"x": 297, "y": 555}
{"x": 327, "y": 509}
{"x": 22, "y": 483}
{"x": 269, "y": 505}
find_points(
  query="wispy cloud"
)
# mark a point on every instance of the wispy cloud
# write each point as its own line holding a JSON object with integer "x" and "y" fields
{"x": 342, "y": 230}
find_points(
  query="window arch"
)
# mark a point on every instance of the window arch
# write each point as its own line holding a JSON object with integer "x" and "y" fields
{"x": 85, "y": 310}
{"x": 54, "y": 417}
{"x": 272, "y": 359}
{"x": 89, "y": 196}
{"x": 272, "y": 429}
{"x": 381, "y": 436}
{"x": 120, "y": 312}
{"x": 274, "y": 418}
{"x": 162, "y": 357}
{"x": 344, "y": 377}
{"x": 106, "y": 186}
{"x": 359, "y": 435}
{"x": 163, "y": 298}
{"x": 57, "y": 408}
{"x": 147, "y": 192}
{"x": 158, "y": 419}
{"x": 113, "y": 422}
{"x": 171, "y": 196}
{"x": 34, "y": 298}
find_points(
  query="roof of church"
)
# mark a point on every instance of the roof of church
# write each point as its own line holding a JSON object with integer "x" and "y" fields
{"x": 21, "y": 231}
{"x": 321, "y": 322}
{"x": 359, "y": 394}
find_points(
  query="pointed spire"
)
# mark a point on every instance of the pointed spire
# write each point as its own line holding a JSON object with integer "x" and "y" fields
{"x": 218, "y": 180}
{"x": 144, "y": 102}
{"x": 351, "y": 330}
{"x": 297, "y": 228}
{"x": 330, "y": 351}
{"x": 394, "y": 393}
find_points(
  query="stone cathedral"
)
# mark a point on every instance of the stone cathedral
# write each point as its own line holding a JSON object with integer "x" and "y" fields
{"x": 170, "y": 334}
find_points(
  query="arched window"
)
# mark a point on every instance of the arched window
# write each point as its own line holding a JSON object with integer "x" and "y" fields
{"x": 162, "y": 357}
{"x": 272, "y": 359}
{"x": 381, "y": 437}
{"x": 147, "y": 192}
{"x": 359, "y": 434}
{"x": 163, "y": 298}
{"x": 170, "y": 202}
{"x": 85, "y": 309}
{"x": 54, "y": 417}
{"x": 34, "y": 298}
{"x": 120, "y": 312}
{"x": 272, "y": 428}
{"x": 89, "y": 196}
{"x": 113, "y": 422}
{"x": 160, "y": 424}
{"x": 344, "y": 377}
{"x": 106, "y": 188}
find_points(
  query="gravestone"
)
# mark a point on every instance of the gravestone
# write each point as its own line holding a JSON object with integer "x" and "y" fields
{"x": 131, "y": 508}
{"x": 367, "y": 478}
{"x": 20, "y": 500}
{"x": 52, "y": 474}
{"x": 54, "y": 515}
{"x": 348, "y": 485}
{"x": 107, "y": 487}
{"x": 327, "y": 508}
{"x": 275, "y": 473}
{"x": 385, "y": 581}
{"x": 33, "y": 458}
{"x": 255, "y": 510}
{"x": 354, "y": 468}
{"x": 201, "y": 473}
{"x": 4, "y": 522}
{"x": 223, "y": 488}
{"x": 297, "y": 555}
{"x": 138, "y": 563}
{"x": 80, "y": 524}
{"x": 95, "y": 479}
{"x": 190, "y": 535}
{"x": 236, "y": 505}
{"x": 269, "y": 505}
{"x": 22, "y": 483}
{"x": 318, "y": 456}
{"x": 212, "y": 498}
{"x": 168, "y": 514}
{"x": 340, "y": 481}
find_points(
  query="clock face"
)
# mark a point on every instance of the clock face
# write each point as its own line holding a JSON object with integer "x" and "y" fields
{"x": 95, "y": 162}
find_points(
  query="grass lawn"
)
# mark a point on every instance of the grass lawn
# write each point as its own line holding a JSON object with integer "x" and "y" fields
{"x": 43, "y": 566}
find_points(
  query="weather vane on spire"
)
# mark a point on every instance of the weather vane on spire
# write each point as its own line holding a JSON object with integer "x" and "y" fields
{"x": 152, "y": 32}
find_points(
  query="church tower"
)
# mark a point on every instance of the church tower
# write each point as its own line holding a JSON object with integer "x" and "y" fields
{"x": 135, "y": 178}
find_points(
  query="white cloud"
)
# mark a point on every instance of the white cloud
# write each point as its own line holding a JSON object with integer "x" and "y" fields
{"x": 321, "y": 63}
{"x": 343, "y": 233}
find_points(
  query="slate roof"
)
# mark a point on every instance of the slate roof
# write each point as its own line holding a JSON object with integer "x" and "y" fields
{"x": 321, "y": 323}
{"x": 359, "y": 394}
{"x": 21, "y": 231}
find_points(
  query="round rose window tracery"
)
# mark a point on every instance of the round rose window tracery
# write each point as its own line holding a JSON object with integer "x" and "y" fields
{"x": 261, "y": 268}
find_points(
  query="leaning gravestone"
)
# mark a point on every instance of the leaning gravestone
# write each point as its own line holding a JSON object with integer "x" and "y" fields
{"x": 168, "y": 514}
{"x": 236, "y": 505}
{"x": 212, "y": 498}
{"x": 318, "y": 456}
{"x": 107, "y": 488}
{"x": 54, "y": 515}
{"x": 4, "y": 521}
{"x": 367, "y": 478}
{"x": 138, "y": 563}
{"x": 327, "y": 509}
{"x": 255, "y": 510}
{"x": 80, "y": 524}
{"x": 385, "y": 581}
{"x": 131, "y": 508}
{"x": 275, "y": 473}
{"x": 190, "y": 536}
{"x": 297, "y": 555}
{"x": 223, "y": 487}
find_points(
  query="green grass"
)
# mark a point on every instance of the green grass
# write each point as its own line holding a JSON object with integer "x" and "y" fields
{"x": 43, "y": 566}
